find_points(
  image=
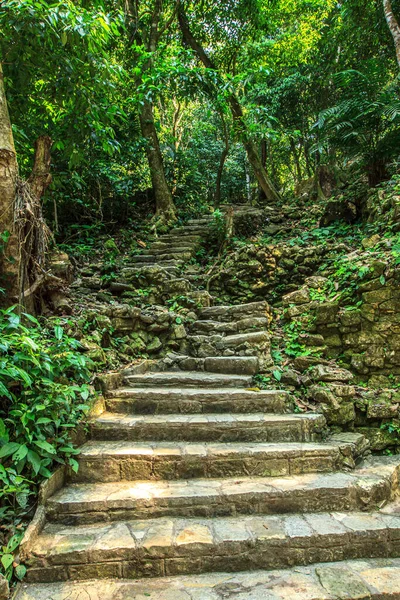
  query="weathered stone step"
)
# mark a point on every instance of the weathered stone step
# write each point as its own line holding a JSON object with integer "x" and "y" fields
{"x": 187, "y": 239}
{"x": 116, "y": 461}
{"x": 201, "y": 221}
{"x": 189, "y": 379}
{"x": 235, "y": 313}
{"x": 176, "y": 243}
{"x": 170, "y": 249}
{"x": 172, "y": 546}
{"x": 161, "y": 400}
{"x": 172, "y": 269}
{"x": 372, "y": 579}
{"x": 240, "y": 365}
{"x": 364, "y": 489}
{"x": 161, "y": 257}
{"x": 178, "y": 285}
{"x": 231, "y": 327}
{"x": 199, "y": 230}
{"x": 256, "y": 427}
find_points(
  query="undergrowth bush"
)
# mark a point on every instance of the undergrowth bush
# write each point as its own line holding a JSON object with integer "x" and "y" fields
{"x": 43, "y": 393}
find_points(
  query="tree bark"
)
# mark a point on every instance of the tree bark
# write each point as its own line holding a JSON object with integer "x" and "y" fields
{"x": 10, "y": 253}
{"x": 164, "y": 202}
{"x": 224, "y": 155}
{"x": 165, "y": 208}
{"x": 236, "y": 109}
{"x": 393, "y": 26}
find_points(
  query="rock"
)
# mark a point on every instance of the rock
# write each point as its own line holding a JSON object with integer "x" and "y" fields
{"x": 379, "y": 439}
{"x": 301, "y": 363}
{"x": 4, "y": 588}
{"x": 324, "y": 373}
{"x": 368, "y": 243}
{"x": 342, "y": 415}
{"x": 154, "y": 345}
{"x": 315, "y": 282}
{"x": 326, "y": 312}
{"x": 301, "y": 296}
{"x": 338, "y": 210}
{"x": 290, "y": 377}
{"x": 351, "y": 318}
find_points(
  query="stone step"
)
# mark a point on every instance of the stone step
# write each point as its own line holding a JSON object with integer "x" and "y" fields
{"x": 201, "y": 221}
{"x": 178, "y": 285}
{"x": 187, "y": 239}
{"x": 170, "y": 249}
{"x": 160, "y": 257}
{"x": 127, "y": 272}
{"x": 235, "y": 313}
{"x": 228, "y": 328}
{"x": 199, "y": 230}
{"x": 176, "y": 243}
{"x": 105, "y": 461}
{"x": 372, "y": 579}
{"x": 364, "y": 489}
{"x": 204, "y": 346}
{"x": 164, "y": 400}
{"x": 189, "y": 379}
{"x": 256, "y": 427}
{"x": 178, "y": 546}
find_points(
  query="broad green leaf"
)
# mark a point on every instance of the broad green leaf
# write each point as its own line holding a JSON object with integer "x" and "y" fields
{"x": 7, "y": 560}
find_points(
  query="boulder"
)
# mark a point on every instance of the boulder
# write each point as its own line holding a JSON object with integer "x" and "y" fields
{"x": 325, "y": 373}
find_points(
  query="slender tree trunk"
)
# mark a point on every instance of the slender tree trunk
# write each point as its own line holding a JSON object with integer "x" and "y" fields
{"x": 224, "y": 155}
{"x": 236, "y": 109}
{"x": 393, "y": 26}
{"x": 296, "y": 160}
{"x": 10, "y": 252}
{"x": 165, "y": 209}
{"x": 164, "y": 202}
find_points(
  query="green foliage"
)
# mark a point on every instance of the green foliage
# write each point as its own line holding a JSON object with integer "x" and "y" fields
{"x": 43, "y": 396}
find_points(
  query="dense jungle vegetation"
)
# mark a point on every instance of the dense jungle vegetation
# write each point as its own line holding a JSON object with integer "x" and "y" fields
{"x": 119, "y": 120}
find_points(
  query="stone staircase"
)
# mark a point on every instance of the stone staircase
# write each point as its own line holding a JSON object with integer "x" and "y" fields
{"x": 195, "y": 484}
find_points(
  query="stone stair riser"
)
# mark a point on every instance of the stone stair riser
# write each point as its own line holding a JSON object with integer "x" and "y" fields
{"x": 179, "y": 404}
{"x": 166, "y": 547}
{"x": 142, "y": 465}
{"x": 357, "y": 580}
{"x": 210, "y": 432}
{"x": 189, "y": 380}
{"x": 220, "y": 498}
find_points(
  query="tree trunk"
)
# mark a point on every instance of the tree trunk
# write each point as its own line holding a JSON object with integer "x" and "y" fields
{"x": 165, "y": 208}
{"x": 9, "y": 249}
{"x": 393, "y": 26}
{"x": 224, "y": 155}
{"x": 236, "y": 109}
{"x": 164, "y": 202}
{"x": 296, "y": 159}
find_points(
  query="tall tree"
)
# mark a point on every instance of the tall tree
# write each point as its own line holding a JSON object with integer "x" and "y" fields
{"x": 9, "y": 256}
{"x": 236, "y": 110}
{"x": 393, "y": 26}
{"x": 145, "y": 33}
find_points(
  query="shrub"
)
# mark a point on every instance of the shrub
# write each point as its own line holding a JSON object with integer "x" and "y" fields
{"x": 43, "y": 390}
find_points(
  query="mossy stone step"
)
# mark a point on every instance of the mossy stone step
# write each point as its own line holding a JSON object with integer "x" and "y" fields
{"x": 256, "y": 427}
{"x": 367, "y": 487}
{"x": 108, "y": 461}
{"x": 172, "y": 546}
{"x": 184, "y": 400}
{"x": 373, "y": 579}
{"x": 189, "y": 379}
{"x": 236, "y": 312}
{"x": 203, "y": 327}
